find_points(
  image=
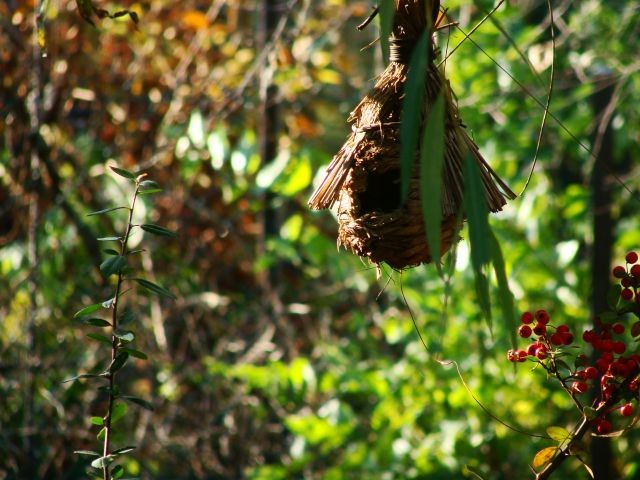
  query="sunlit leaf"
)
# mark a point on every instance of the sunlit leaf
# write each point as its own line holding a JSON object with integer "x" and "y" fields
{"x": 108, "y": 239}
{"x": 477, "y": 214}
{"x": 88, "y": 310}
{"x": 97, "y": 421}
{"x": 106, "y": 210}
{"x": 385, "y": 16}
{"x": 84, "y": 375}
{"x": 102, "y": 461}
{"x": 544, "y": 456}
{"x": 117, "y": 471}
{"x": 118, "y": 411}
{"x": 87, "y": 452}
{"x": 412, "y": 111}
{"x": 123, "y": 450}
{"x": 558, "y": 434}
{"x": 148, "y": 186}
{"x": 431, "y": 157}
{"x": 124, "y": 335}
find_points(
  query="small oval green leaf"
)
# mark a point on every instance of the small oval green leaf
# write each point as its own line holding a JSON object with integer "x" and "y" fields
{"x": 99, "y": 338}
{"x": 118, "y": 362}
{"x": 97, "y": 421}
{"x": 135, "y": 353}
{"x": 558, "y": 434}
{"x": 138, "y": 401}
{"x": 88, "y": 310}
{"x": 123, "y": 173}
{"x": 96, "y": 322}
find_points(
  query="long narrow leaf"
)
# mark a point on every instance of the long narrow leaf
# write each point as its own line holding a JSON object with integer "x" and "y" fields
{"x": 106, "y": 210}
{"x": 84, "y": 375}
{"x": 504, "y": 292}
{"x": 158, "y": 230}
{"x": 88, "y": 310}
{"x": 431, "y": 156}
{"x": 412, "y": 111}
{"x": 113, "y": 265}
{"x": 157, "y": 289}
{"x": 138, "y": 401}
{"x": 477, "y": 214}
{"x": 385, "y": 15}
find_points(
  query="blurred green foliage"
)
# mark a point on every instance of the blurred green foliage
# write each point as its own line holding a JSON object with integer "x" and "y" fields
{"x": 283, "y": 358}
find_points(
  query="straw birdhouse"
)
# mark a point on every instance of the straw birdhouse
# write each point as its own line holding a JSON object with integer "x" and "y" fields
{"x": 364, "y": 176}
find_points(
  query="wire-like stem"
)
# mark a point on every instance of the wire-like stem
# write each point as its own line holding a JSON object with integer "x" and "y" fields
{"x": 115, "y": 341}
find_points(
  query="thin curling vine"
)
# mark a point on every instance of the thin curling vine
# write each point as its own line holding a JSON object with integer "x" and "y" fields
{"x": 610, "y": 375}
{"x": 121, "y": 338}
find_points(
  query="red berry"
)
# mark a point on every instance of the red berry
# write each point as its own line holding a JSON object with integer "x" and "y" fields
{"x": 603, "y": 427}
{"x": 632, "y": 257}
{"x": 522, "y": 355}
{"x": 556, "y": 338}
{"x": 562, "y": 328}
{"x": 541, "y": 353}
{"x": 626, "y": 410}
{"x": 618, "y": 327}
{"x": 627, "y": 294}
{"x": 588, "y": 336}
{"x": 526, "y": 318}
{"x": 619, "y": 271}
{"x": 567, "y": 338}
{"x": 540, "y": 329}
{"x": 512, "y": 355}
{"x": 579, "y": 387}
{"x": 531, "y": 349}
{"x": 619, "y": 347}
{"x": 542, "y": 317}
{"x": 590, "y": 373}
{"x": 626, "y": 282}
{"x": 635, "y": 271}
{"x": 524, "y": 331}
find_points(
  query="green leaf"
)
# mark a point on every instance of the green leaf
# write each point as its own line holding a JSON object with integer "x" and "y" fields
{"x": 124, "y": 173}
{"x": 117, "y": 471}
{"x": 84, "y": 375}
{"x": 96, "y": 322}
{"x": 126, "y": 317}
{"x": 101, "y": 433}
{"x": 118, "y": 362}
{"x": 613, "y": 296}
{"x": 113, "y": 265}
{"x": 107, "y": 239}
{"x": 118, "y": 411}
{"x": 123, "y": 450}
{"x": 111, "y": 251}
{"x": 135, "y": 353}
{"x": 559, "y": 434}
{"x": 411, "y": 117}
{"x": 97, "y": 421}
{"x": 157, "y": 289}
{"x": 102, "y": 462}
{"x": 505, "y": 296}
{"x": 138, "y": 401}
{"x": 477, "y": 214}
{"x": 87, "y": 452}
{"x": 100, "y": 338}
{"x": 544, "y": 456}
{"x": 385, "y": 15}
{"x": 148, "y": 186}
{"x": 88, "y": 310}
{"x": 124, "y": 335}
{"x": 481, "y": 283}
{"x": 158, "y": 230}
{"x": 105, "y": 210}
{"x": 431, "y": 156}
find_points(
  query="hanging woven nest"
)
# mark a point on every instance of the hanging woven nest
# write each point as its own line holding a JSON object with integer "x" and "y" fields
{"x": 364, "y": 176}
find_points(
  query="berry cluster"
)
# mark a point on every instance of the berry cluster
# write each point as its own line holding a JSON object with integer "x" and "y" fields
{"x": 612, "y": 374}
{"x": 629, "y": 276}
{"x": 548, "y": 336}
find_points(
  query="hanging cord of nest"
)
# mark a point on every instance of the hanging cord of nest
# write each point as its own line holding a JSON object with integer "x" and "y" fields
{"x": 364, "y": 176}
